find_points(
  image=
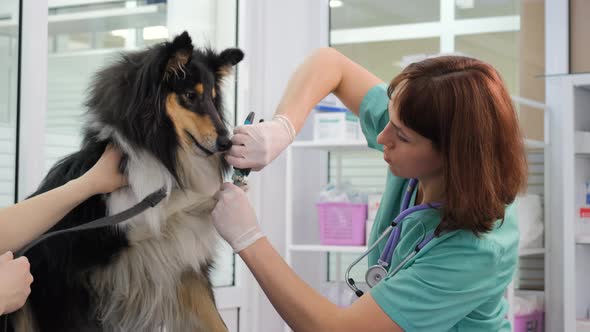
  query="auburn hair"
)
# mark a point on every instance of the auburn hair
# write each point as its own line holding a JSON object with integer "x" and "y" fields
{"x": 462, "y": 105}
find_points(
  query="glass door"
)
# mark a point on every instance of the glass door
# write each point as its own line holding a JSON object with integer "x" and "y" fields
{"x": 9, "y": 55}
{"x": 85, "y": 35}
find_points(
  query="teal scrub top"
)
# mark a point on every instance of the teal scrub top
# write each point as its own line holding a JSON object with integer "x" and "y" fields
{"x": 457, "y": 281}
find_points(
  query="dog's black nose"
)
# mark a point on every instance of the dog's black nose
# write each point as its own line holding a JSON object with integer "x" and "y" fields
{"x": 223, "y": 143}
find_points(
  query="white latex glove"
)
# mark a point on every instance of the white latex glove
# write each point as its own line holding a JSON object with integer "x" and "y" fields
{"x": 15, "y": 282}
{"x": 234, "y": 217}
{"x": 255, "y": 146}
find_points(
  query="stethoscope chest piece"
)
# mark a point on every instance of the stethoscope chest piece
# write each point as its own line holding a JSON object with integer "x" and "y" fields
{"x": 378, "y": 272}
{"x": 374, "y": 275}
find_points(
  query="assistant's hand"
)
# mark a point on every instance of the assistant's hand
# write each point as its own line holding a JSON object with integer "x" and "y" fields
{"x": 255, "y": 146}
{"x": 104, "y": 177}
{"x": 15, "y": 282}
{"x": 234, "y": 217}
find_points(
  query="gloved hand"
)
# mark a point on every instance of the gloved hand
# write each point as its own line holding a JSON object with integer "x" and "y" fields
{"x": 234, "y": 217}
{"x": 255, "y": 146}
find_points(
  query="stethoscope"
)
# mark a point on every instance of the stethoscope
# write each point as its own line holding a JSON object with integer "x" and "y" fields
{"x": 378, "y": 272}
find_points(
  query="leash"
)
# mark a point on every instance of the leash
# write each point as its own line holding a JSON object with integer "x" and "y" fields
{"x": 149, "y": 201}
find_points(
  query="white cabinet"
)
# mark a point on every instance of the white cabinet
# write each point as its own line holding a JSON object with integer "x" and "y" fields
{"x": 568, "y": 238}
{"x": 307, "y": 171}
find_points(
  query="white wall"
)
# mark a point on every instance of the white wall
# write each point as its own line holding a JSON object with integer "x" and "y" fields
{"x": 556, "y": 62}
{"x": 280, "y": 34}
{"x": 33, "y": 99}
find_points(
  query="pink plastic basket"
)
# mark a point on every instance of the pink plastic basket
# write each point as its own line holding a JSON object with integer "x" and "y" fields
{"x": 533, "y": 322}
{"x": 342, "y": 223}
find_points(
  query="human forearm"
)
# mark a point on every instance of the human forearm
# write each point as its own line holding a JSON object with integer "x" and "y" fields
{"x": 25, "y": 221}
{"x": 323, "y": 72}
{"x": 319, "y": 75}
{"x": 299, "y": 305}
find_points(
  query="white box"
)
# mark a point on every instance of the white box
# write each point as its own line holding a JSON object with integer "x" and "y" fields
{"x": 373, "y": 202}
{"x": 582, "y": 142}
{"x": 335, "y": 126}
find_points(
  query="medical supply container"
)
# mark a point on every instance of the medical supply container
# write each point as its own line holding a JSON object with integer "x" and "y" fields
{"x": 529, "y": 314}
{"x": 585, "y": 206}
{"x": 333, "y": 122}
{"x": 533, "y": 322}
{"x": 342, "y": 223}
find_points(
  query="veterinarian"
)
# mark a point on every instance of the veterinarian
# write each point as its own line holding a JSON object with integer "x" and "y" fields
{"x": 21, "y": 223}
{"x": 447, "y": 122}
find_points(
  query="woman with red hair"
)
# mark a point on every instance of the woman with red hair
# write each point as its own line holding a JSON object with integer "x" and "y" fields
{"x": 446, "y": 123}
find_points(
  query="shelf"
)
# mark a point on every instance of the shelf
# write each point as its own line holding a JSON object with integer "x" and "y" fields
{"x": 322, "y": 248}
{"x": 331, "y": 145}
{"x": 531, "y": 252}
{"x": 361, "y": 249}
{"x": 362, "y": 145}
{"x": 99, "y": 20}
{"x": 534, "y": 144}
{"x": 521, "y": 292}
{"x": 9, "y": 27}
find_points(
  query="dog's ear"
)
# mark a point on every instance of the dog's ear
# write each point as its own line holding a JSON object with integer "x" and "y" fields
{"x": 180, "y": 51}
{"x": 226, "y": 60}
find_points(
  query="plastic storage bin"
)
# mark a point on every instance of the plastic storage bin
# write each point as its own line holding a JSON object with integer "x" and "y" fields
{"x": 533, "y": 322}
{"x": 342, "y": 223}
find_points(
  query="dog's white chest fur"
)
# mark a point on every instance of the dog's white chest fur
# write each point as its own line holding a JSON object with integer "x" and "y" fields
{"x": 138, "y": 289}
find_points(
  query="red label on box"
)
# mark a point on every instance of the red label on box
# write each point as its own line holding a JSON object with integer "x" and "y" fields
{"x": 585, "y": 212}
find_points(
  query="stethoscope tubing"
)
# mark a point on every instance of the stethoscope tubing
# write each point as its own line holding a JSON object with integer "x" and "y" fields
{"x": 347, "y": 278}
{"x": 393, "y": 240}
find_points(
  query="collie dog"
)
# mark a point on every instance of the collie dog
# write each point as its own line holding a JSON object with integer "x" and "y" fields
{"x": 162, "y": 107}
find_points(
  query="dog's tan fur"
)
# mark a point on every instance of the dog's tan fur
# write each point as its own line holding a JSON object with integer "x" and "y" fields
{"x": 139, "y": 289}
{"x": 199, "y": 126}
{"x": 192, "y": 297}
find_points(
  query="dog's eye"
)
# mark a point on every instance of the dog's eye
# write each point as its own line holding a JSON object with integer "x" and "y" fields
{"x": 190, "y": 95}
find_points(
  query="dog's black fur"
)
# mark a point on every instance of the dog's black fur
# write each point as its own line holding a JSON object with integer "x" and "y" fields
{"x": 128, "y": 98}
